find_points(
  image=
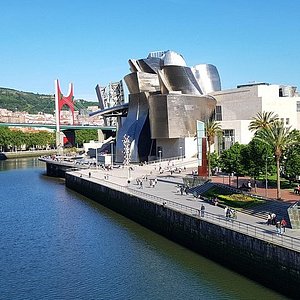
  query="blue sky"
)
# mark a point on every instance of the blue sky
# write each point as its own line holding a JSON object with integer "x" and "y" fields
{"x": 90, "y": 41}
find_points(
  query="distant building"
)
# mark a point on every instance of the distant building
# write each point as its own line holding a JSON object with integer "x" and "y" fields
{"x": 237, "y": 107}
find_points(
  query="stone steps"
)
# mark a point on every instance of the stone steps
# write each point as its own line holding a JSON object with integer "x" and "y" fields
{"x": 260, "y": 211}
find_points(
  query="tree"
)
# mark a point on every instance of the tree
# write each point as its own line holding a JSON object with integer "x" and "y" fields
{"x": 254, "y": 157}
{"x": 279, "y": 138}
{"x": 263, "y": 120}
{"x": 5, "y": 138}
{"x": 231, "y": 160}
{"x": 211, "y": 130}
{"x": 214, "y": 160}
{"x": 85, "y": 135}
{"x": 291, "y": 161}
{"x": 17, "y": 139}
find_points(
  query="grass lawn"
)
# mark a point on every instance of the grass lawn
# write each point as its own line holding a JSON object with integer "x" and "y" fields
{"x": 285, "y": 184}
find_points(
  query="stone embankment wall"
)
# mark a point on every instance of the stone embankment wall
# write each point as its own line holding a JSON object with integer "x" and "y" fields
{"x": 274, "y": 266}
{"x": 24, "y": 154}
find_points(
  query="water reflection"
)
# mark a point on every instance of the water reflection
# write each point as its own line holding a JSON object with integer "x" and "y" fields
{"x": 20, "y": 163}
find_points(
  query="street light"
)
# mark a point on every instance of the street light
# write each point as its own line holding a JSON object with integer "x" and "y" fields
{"x": 96, "y": 157}
{"x": 112, "y": 152}
{"x": 266, "y": 183}
{"x": 266, "y": 192}
{"x": 159, "y": 153}
{"x": 181, "y": 152}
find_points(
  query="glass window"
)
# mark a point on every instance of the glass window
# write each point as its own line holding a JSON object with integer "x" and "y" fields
{"x": 218, "y": 113}
{"x": 298, "y": 106}
{"x": 228, "y": 139}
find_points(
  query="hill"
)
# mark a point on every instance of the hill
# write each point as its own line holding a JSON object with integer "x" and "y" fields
{"x": 15, "y": 100}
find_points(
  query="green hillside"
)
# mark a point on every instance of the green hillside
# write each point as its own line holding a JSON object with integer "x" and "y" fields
{"x": 33, "y": 103}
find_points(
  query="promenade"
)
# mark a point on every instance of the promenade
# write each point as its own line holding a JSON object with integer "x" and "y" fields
{"x": 166, "y": 193}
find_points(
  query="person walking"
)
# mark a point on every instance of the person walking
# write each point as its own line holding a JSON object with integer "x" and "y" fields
{"x": 226, "y": 210}
{"x": 181, "y": 190}
{"x": 273, "y": 219}
{"x": 233, "y": 214}
{"x": 202, "y": 210}
{"x": 283, "y": 224}
{"x": 278, "y": 227}
{"x": 186, "y": 190}
{"x": 269, "y": 219}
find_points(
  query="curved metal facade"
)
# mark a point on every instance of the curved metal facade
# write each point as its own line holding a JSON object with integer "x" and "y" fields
{"x": 166, "y": 98}
{"x": 207, "y": 77}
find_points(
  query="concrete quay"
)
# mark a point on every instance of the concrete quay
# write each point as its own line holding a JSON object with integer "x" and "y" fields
{"x": 166, "y": 191}
{"x": 246, "y": 245}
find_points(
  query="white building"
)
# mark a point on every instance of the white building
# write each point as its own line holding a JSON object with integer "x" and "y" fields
{"x": 237, "y": 107}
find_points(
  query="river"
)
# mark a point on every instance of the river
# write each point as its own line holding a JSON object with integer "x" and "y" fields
{"x": 57, "y": 244}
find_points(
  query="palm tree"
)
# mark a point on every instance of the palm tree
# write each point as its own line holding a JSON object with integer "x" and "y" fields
{"x": 262, "y": 120}
{"x": 211, "y": 129}
{"x": 279, "y": 138}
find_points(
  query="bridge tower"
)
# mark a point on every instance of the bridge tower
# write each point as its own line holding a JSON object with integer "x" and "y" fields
{"x": 60, "y": 101}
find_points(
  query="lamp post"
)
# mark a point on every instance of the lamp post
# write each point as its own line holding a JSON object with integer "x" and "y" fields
{"x": 112, "y": 152}
{"x": 96, "y": 157}
{"x": 159, "y": 153}
{"x": 181, "y": 152}
{"x": 266, "y": 184}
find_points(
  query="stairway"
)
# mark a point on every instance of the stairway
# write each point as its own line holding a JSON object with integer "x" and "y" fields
{"x": 201, "y": 189}
{"x": 260, "y": 211}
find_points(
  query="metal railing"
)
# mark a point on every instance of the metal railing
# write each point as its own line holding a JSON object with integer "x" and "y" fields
{"x": 265, "y": 234}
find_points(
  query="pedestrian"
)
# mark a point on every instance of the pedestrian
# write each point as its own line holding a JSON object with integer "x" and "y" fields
{"x": 89, "y": 174}
{"x": 278, "y": 227}
{"x": 226, "y": 209}
{"x": 273, "y": 219}
{"x": 202, "y": 209}
{"x": 233, "y": 214}
{"x": 269, "y": 219}
{"x": 141, "y": 184}
{"x": 186, "y": 190}
{"x": 249, "y": 185}
{"x": 181, "y": 190}
{"x": 283, "y": 224}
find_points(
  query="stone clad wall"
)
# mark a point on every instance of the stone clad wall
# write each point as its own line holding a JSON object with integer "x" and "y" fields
{"x": 294, "y": 215}
{"x": 274, "y": 266}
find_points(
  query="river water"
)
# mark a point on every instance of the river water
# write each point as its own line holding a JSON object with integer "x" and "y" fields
{"x": 57, "y": 244}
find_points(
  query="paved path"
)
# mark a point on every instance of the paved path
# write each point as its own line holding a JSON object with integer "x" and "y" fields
{"x": 287, "y": 195}
{"x": 166, "y": 190}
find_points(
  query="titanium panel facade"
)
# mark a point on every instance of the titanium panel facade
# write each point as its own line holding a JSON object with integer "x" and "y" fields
{"x": 166, "y": 99}
{"x": 207, "y": 77}
{"x": 174, "y": 116}
{"x": 136, "y": 126}
{"x": 142, "y": 82}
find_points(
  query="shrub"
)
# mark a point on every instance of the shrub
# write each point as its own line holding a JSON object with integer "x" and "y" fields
{"x": 233, "y": 200}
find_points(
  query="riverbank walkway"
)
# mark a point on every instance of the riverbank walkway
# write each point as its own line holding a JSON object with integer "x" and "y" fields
{"x": 165, "y": 192}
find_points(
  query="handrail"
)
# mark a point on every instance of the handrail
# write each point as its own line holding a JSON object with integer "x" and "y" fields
{"x": 174, "y": 158}
{"x": 269, "y": 236}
